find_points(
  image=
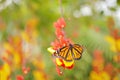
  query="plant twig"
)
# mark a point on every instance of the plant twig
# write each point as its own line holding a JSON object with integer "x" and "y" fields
{"x": 61, "y": 9}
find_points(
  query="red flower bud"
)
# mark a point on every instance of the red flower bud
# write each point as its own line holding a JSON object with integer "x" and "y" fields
{"x": 63, "y": 41}
{"x": 62, "y": 23}
{"x": 59, "y": 71}
{"x": 56, "y": 45}
{"x": 57, "y": 25}
{"x": 59, "y": 33}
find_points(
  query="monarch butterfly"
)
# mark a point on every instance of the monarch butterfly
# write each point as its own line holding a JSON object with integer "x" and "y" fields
{"x": 70, "y": 52}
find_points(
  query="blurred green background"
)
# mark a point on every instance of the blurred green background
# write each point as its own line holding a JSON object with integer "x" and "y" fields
{"x": 88, "y": 22}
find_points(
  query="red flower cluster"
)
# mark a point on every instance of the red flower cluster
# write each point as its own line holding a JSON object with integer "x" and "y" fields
{"x": 98, "y": 62}
{"x": 25, "y": 71}
{"x": 59, "y": 43}
{"x": 101, "y": 69}
{"x": 61, "y": 39}
{"x": 115, "y": 33}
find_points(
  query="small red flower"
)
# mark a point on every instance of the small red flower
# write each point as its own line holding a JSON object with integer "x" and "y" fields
{"x": 19, "y": 77}
{"x": 25, "y": 70}
{"x": 98, "y": 61}
{"x": 109, "y": 69}
{"x": 7, "y": 60}
{"x": 60, "y": 23}
{"x": 98, "y": 55}
{"x": 56, "y": 45}
{"x": 115, "y": 33}
{"x": 59, "y": 71}
{"x": 59, "y": 33}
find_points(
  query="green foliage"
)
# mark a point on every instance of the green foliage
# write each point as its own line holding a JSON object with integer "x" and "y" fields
{"x": 48, "y": 11}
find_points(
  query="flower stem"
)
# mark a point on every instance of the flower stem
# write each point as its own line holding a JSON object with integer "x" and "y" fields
{"x": 61, "y": 9}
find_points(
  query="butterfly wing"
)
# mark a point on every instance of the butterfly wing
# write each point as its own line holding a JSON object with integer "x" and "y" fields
{"x": 65, "y": 53}
{"x": 77, "y": 51}
{"x": 69, "y": 56}
{"x": 68, "y": 53}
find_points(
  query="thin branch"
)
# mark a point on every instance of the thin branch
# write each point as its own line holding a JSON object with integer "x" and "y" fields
{"x": 61, "y": 9}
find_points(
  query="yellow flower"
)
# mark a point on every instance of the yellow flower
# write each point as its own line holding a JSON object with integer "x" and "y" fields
{"x": 104, "y": 76}
{"x": 115, "y": 43}
{"x": 116, "y": 58}
{"x": 16, "y": 56}
{"x": 118, "y": 44}
{"x": 94, "y": 76}
{"x": 7, "y": 46}
{"x": 25, "y": 36}
{"x": 16, "y": 59}
{"x": 116, "y": 78}
{"x": 99, "y": 76}
{"x": 60, "y": 61}
{"x": 38, "y": 63}
{"x": 32, "y": 23}
{"x": 38, "y": 75}
{"x": 51, "y": 50}
{"x": 63, "y": 63}
{"x": 5, "y": 72}
{"x": 68, "y": 64}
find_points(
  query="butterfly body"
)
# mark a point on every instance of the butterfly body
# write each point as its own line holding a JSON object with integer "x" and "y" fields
{"x": 70, "y": 52}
